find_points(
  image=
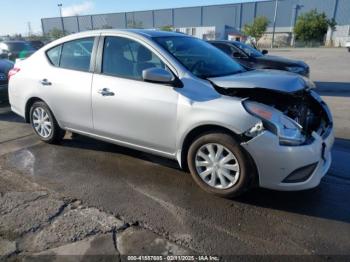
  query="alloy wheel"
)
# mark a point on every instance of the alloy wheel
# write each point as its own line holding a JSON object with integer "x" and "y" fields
{"x": 42, "y": 122}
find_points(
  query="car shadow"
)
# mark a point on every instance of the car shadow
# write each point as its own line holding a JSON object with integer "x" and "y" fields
{"x": 87, "y": 143}
{"x": 333, "y": 88}
{"x": 328, "y": 201}
{"x": 7, "y": 115}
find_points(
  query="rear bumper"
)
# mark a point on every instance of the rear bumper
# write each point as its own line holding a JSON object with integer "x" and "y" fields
{"x": 275, "y": 162}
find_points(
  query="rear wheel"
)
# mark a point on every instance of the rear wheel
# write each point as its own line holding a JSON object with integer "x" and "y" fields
{"x": 219, "y": 165}
{"x": 45, "y": 124}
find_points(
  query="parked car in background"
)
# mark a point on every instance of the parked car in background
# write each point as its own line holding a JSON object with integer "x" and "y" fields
{"x": 179, "y": 97}
{"x": 17, "y": 49}
{"x": 255, "y": 59}
{"x": 37, "y": 44}
{"x": 5, "y": 66}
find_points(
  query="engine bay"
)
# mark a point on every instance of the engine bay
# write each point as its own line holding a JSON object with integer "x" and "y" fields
{"x": 300, "y": 106}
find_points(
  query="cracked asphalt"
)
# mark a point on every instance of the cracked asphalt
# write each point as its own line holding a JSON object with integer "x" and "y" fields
{"x": 154, "y": 194}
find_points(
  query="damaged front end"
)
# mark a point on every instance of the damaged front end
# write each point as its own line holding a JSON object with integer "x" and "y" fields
{"x": 292, "y": 116}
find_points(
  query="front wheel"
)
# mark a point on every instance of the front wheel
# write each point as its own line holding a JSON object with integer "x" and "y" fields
{"x": 219, "y": 165}
{"x": 45, "y": 124}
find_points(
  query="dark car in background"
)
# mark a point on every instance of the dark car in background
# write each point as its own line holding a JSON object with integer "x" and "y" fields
{"x": 252, "y": 58}
{"x": 37, "y": 44}
{"x": 5, "y": 66}
{"x": 17, "y": 49}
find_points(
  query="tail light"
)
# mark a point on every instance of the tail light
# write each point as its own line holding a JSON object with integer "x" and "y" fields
{"x": 13, "y": 71}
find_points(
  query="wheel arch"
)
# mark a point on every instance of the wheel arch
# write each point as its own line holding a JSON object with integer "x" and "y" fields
{"x": 195, "y": 133}
{"x": 28, "y": 105}
{"x": 211, "y": 128}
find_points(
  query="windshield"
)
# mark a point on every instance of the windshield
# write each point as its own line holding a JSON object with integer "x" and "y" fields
{"x": 250, "y": 51}
{"x": 199, "y": 57}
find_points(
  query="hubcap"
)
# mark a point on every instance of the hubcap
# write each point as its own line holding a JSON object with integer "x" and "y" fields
{"x": 41, "y": 122}
{"x": 217, "y": 166}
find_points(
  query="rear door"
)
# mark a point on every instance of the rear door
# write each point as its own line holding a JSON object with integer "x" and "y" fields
{"x": 67, "y": 83}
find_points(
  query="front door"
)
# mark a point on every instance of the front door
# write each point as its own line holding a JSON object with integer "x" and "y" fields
{"x": 126, "y": 108}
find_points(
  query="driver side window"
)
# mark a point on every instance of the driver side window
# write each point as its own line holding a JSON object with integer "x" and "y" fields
{"x": 127, "y": 58}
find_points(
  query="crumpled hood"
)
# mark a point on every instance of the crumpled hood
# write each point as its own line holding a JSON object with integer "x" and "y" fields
{"x": 267, "y": 79}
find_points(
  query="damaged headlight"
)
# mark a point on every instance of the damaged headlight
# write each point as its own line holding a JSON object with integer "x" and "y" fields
{"x": 288, "y": 130}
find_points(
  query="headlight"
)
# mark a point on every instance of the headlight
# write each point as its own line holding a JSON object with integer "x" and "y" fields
{"x": 288, "y": 131}
{"x": 295, "y": 69}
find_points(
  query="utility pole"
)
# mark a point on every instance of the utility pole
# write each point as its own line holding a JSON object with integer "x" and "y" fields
{"x": 297, "y": 7}
{"x": 274, "y": 24}
{"x": 60, "y": 8}
{"x": 30, "y": 31}
{"x": 62, "y": 24}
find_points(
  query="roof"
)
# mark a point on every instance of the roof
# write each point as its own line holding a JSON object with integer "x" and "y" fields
{"x": 143, "y": 32}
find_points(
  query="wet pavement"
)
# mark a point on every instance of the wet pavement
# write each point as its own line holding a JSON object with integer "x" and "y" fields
{"x": 154, "y": 193}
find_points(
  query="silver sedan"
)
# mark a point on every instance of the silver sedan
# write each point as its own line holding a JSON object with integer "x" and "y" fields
{"x": 179, "y": 97}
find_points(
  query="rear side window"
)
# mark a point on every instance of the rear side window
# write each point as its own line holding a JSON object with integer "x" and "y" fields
{"x": 54, "y": 55}
{"x": 74, "y": 55}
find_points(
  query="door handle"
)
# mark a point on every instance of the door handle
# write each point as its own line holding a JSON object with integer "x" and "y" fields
{"x": 45, "y": 82}
{"x": 105, "y": 92}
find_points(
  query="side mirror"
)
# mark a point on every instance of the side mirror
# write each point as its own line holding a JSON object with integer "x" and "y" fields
{"x": 264, "y": 52}
{"x": 157, "y": 75}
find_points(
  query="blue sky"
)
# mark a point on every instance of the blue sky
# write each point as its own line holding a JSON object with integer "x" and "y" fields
{"x": 15, "y": 15}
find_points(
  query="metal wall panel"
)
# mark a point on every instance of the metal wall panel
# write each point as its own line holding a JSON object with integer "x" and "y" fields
{"x": 248, "y": 12}
{"x": 85, "y": 23}
{"x": 144, "y": 18}
{"x": 187, "y": 16}
{"x": 235, "y": 15}
{"x": 220, "y": 15}
{"x": 326, "y": 6}
{"x": 266, "y": 9}
{"x": 163, "y": 17}
{"x": 50, "y": 24}
{"x": 108, "y": 21}
{"x": 285, "y": 13}
{"x": 71, "y": 24}
{"x": 343, "y": 12}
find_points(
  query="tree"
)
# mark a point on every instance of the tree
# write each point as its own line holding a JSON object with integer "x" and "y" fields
{"x": 312, "y": 26}
{"x": 56, "y": 33}
{"x": 168, "y": 28}
{"x": 258, "y": 28}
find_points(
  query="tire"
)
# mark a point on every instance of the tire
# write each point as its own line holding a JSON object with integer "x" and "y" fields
{"x": 242, "y": 179}
{"x": 348, "y": 49}
{"x": 45, "y": 125}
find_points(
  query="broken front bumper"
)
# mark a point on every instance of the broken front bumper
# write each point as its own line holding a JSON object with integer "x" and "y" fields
{"x": 278, "y": 164}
